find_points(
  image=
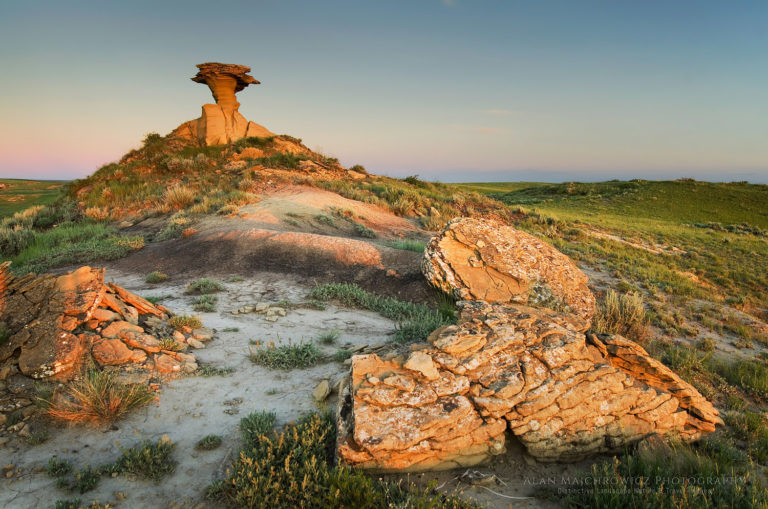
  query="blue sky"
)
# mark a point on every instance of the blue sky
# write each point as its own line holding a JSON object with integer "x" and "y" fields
{"x": 450, "y": 90}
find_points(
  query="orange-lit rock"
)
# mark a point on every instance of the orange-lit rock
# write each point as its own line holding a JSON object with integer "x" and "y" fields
{"x": 222, "y": 123}
{"x": 506, "y": 366}
{"x": 480, "y": 259}
{"x": 54, "y": 322}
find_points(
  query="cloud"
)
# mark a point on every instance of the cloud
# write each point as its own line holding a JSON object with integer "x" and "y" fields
{"x": 498, "y": 112}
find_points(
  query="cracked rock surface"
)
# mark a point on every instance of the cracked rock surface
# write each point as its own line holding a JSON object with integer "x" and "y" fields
{"x": 505, "y": 368}
{"x": 480, "y": 259}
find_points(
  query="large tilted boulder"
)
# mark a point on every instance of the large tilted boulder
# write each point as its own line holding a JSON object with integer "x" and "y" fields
{"x": 535, "y": 372}
{"x": 55, "y": 322}
{"x": 564, "y": 394}
{"x": 480, "y": 259}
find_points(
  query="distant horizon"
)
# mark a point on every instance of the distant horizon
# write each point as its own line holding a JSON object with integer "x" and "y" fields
{"x": 451, "y": 90}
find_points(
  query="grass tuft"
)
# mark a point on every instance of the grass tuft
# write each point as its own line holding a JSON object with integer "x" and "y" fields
{"x": 97, "y": 398}
{"x": 621, "y": 314}
{"x": 203, "y": 287}
{"x": 180, "y": 321}
{"x": 156, "y": 277}
{"x": 208, "y": 443}
{"x": 303, "y": 355}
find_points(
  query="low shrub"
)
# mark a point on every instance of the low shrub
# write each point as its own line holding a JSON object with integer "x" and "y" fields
{"x": 208, "y": 443}
{"x": 621, "y": 314}
{"x": 204, "y": 286}
{"x": 330, "y": 337}
{"x": 293, "y": 468}
{"x": 147, "y": 460}
{"x": 180, "y": 321}
{"x": 205, "y": 303}
{"x": 156, "y": 277}
{"x": 303, "y": 355}
{"x": 364, "y": 231}
{"x": 179, "y": 196}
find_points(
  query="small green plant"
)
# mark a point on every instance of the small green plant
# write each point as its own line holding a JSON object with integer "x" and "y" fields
{"x": 341, "y": 355}
{"x": 205, "y": 303}
{"x": 257, "y": 424}
{"x": 315, "y": 304}
{"x": 204, "y": 286}
{"x": 364, "y": 231}
{"x": 234, "y": 279}
{"x": 154, "y": 299}
{"x": 58, "y": 468}
{"x": 180, "y": 321}
{"x": 285, "y": 304}
{"x": 170, "y": 344}
{"x": 359, "y": 168}
{"x": 156, "y": 277}
{"x": 38, "y": 437}
{"x": 148, "y": 460}
{"x": 208, "y": 443}
{"x": 231, "y": 329}
{"x": 330, "y": 337}
{"x": 67, "y": 504}
{"x": 303, "y": 355}
{"x": 86, "y": 479}
{"x": 322, "y": 218}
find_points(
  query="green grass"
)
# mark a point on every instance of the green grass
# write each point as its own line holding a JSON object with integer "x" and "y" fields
{"x": 204, "y": 286}
{"x": 208, "y": 443}
{"x": 294, "y": 468}
{"x": 303, "y": 355}
{"x": 729, "y": 262}
{"x": 156, "y": 277}
{"x": 414, "y": 321}
{"x": 205, "y": 303}
{"x": 341, "y": 355}
{"x": 207, "y": 371}
{"x": 416, "y": 246}
{"x": 19, "y": 194}
{"x": 330, "y": 337}
{"x": 679, "y": 478}
{"x": 364, "y": 231}
{"x": 72, "y": 243}
{"x": 147, "y": 460}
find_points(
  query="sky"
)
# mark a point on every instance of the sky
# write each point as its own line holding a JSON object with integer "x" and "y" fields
{"x": 453, "y": 91}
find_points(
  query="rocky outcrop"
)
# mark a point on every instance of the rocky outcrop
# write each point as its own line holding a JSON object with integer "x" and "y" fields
{"x": 480, "y": 259}
{"x": 563, "y": 394}
{"x": 54, "y": 322}
{"x": 221, "y": 123}
{"x": 535, "y": 372}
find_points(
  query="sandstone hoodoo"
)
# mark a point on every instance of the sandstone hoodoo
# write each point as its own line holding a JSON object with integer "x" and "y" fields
{"x": 510, "y": 368}
{"x": 222, "y": 123}
{"x": 54, "y": 323}
{"x": 486, "y": 260}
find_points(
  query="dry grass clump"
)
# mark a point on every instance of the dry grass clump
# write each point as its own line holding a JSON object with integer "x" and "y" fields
{"x": 97, "y": 398}
{"x": 181, "y": 321}
{"x": 621, "y": 314}
{"x": 179, "y": 196}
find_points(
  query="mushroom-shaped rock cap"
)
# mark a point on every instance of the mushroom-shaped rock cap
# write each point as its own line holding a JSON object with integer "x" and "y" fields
{"x": 239, "y": 72}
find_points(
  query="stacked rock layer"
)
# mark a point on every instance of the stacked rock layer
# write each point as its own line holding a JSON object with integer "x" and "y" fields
{"x": 54, "y": 322}
{"x": 534, "y": 372}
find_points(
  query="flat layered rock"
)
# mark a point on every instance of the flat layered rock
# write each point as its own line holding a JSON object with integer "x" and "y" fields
{"x": 56, "y": 321}
{"x": 512, "y": 367}
{"x": 480, "y": 259}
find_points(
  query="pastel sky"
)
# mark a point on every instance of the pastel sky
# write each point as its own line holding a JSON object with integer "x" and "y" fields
{"x": 455, "y": 90}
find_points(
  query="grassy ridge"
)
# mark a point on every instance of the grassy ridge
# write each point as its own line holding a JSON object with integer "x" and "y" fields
{"x": 18, "y": 194}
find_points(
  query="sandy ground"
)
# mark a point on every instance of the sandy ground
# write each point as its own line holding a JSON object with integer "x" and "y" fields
{"x": 192, "y": 407}
{"x": 189, "y": 408}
